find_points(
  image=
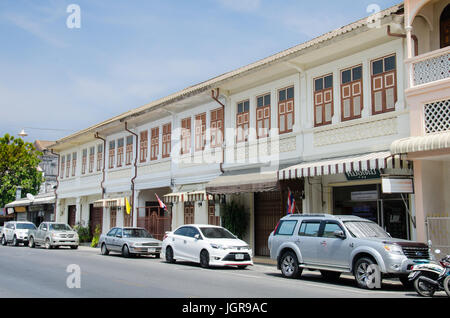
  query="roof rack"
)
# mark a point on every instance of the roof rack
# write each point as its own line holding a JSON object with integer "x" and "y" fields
{"x": 312, "y": 214}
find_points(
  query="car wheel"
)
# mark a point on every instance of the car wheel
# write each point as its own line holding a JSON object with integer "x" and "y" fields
{"x": 289, "y": 265}
{"x": 48, "y": 245}
{"x": 330, "y": 276}
{"x": 447, "y": 285}
{"x": 104, "y": 249}
{"x": 364, "y": 273}
{"x": 31, "y": 243}
{"x": 169, "y": 255}
{"x": 204, "y": 259}
{"x": 4, "y": 241}
{"x": 125, "y": 251}
{"x": 15, "y": 243}
{"x": 423, "y": 288}
{"x": 74, "y": 247}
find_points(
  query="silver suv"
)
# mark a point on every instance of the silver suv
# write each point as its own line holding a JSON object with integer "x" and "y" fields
{"x": 16, "y": 232}
{"x": 335, "y": 244}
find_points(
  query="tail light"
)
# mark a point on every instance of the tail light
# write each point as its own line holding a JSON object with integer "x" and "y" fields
{"x": 276, "y": 228}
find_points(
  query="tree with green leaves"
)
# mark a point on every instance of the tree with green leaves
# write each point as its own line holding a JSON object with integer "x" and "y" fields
{"x": 18, "y": 167}
{"x": 235, "y": 219}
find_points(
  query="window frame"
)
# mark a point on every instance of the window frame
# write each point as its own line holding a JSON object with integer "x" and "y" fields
{"x": 68, "y": 162}
{"x": 74, "y": 163}
{"x": 166, "y": 140}
{"x": 100, "y": 157}
{"x": 91, "y": 159}
{"x": 284, "y": 109}
{"x": 143, "y": 146}
{"x": 216, "y": 127}
{"x": 242, "y": 121}
{"x": 84, "y": 161}
{"x": 323, "y": 101}
{"x": 384, "y": 85}
{"x": 129, "y": 150}
{"x": 186, "y": 135}
{"x": 154, "y": 144}
{"x": 352, "y": 93}
{"x": 200, "y": 131}
{"x": 263, "y": 113}
{"x": 112, "y": 154}
{"x": 120, "y": 151}
{"x": 320, "y": 222}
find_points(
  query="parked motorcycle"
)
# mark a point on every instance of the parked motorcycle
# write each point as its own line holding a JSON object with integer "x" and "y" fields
{"x": 431, "y": 277}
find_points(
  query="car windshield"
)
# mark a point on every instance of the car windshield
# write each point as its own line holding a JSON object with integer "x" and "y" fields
{"x": 216, "y": 233}
{"x": 136, "y": 233}
{"x": 25, "y": 226}
{"x": 60, "y": 227}
{"x": 362, "y": 229}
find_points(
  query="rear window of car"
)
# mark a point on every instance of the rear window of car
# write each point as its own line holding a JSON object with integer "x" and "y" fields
{"x": 25, "y": 226}
{"x": 309, "y": 229}
{"x": 286, "y": 227}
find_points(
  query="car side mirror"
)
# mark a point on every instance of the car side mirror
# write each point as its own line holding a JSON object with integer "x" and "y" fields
{"x": 119, "y": 236}
{"x": 339, "y": 234}
{"x": 197, "y": 236}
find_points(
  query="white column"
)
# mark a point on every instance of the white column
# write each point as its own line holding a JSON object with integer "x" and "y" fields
{"x": 78, "y": 211}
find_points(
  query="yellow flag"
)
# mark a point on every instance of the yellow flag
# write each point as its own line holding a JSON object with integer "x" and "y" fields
{"x": 128, "y": 206}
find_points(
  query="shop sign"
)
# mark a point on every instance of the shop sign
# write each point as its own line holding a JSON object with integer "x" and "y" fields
{"x": 364, "y": 195}
{"x": 20, "y": 209}
{"x": 363, "y": 174}
{"x": 397, "y": 185}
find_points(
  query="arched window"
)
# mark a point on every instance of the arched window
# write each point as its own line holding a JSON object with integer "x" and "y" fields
{"x": 445, "y": 27}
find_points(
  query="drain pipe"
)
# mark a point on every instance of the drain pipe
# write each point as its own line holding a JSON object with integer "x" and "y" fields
{"x": 57, "y": 182}
{"x": 135, "y": 171}
{"x": 399, "y": 35}
{"x": 215, "y": 96}
{"x": 104, "y": 160}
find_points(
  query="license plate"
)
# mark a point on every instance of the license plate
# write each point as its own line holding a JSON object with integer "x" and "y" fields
{"x": 151, "y": 250}
{"x": 239, "y": 256}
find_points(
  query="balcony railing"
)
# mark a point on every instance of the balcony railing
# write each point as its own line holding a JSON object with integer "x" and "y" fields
{"x": 430, "y": 67}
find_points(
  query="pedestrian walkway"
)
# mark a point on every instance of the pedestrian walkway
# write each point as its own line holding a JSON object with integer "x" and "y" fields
{"x": 264, "y": 260}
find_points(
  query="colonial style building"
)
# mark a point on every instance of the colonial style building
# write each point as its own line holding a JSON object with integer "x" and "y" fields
{"x": 316, "y": 120}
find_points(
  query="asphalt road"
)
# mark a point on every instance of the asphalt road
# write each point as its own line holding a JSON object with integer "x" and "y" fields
{"x": 27, "y": 272}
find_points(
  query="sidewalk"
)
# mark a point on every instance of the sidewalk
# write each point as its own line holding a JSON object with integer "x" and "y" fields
{"x": 262, "y": 260}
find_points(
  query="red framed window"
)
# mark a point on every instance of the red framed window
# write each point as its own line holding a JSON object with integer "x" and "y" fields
{"x": 74, "y": 163}
{"x": 263, "y": 115}
{"x": 120, "y": 152}
{"x": 186, "y": 135}
{"x": 286, "y": 109}
{"x": 63, "y": 165}
{"x": 69, "y": 158}
{"x": 200, "y": 132}
{"x": 216, "y": 127}
{"x": 154, "y": 150}
{"x": 384, "y": 84}
{"x": 351, "y": 93}
{"x": 143, "y": 146}
{"x": 242, "y": 120}
{"x": 84, "y": 162}
{"x": 323, "y": 100}
{"x": 91, "y": 159}
{"x": 99, "y": 157}
{"x": 129, "y": 150}
{"x": 166, "y": 140}
{"x": 112, "y": 153}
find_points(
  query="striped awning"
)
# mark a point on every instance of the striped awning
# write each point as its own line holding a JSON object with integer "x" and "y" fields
{"x": 244, "y": 183}
{"x": 109, "y": 203}
{"x": 431, "y": 142}
{"x": 376, "y": 160}
{"x": 187, "y": 197}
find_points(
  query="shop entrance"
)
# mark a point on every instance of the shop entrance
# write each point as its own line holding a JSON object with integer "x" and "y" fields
{"x": 368, "y": 201}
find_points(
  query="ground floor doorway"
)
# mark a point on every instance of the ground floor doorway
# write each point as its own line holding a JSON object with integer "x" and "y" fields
{"x": 367, "y": 201}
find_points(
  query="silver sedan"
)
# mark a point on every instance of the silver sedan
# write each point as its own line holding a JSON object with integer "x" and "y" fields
{"x": 129, "y": 241}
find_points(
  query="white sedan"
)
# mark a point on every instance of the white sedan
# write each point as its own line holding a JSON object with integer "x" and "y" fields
{"x": 208, "y": 245}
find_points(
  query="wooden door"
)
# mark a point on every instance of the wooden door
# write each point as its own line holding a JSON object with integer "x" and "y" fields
{"x": 188, "y": 213}
{"x": 72, "y": 215}
{"x": 267, "y": 214}
{"x": 95, "y": 218}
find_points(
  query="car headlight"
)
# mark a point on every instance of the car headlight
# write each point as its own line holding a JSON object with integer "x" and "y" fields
{"x": 393, "y": 249}
{"x": 218, "y": 246}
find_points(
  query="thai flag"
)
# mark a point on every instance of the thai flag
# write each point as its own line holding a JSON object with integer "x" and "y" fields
{"x": 161, "y": 204}
{"x": 290, "y": 203}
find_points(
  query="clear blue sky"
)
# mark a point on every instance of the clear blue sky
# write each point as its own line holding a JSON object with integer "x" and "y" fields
{"x": 129, "y": 53}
